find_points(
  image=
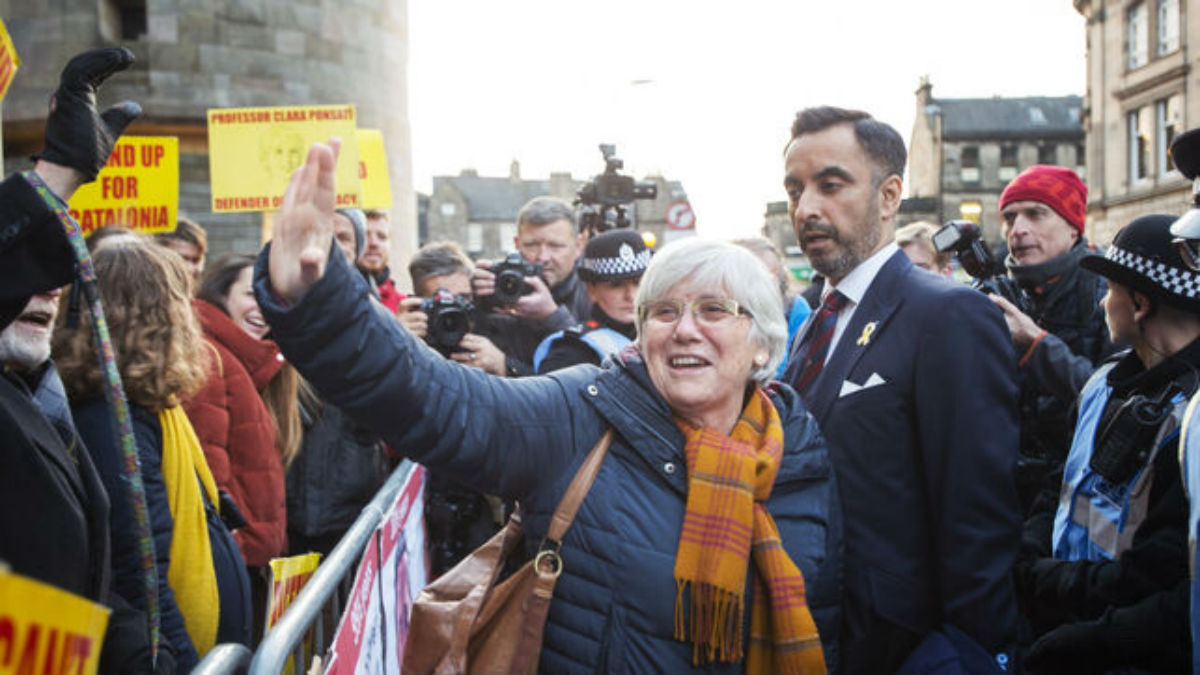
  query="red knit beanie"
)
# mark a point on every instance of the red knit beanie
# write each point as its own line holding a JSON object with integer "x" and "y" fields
{"x": 1055, "y": 186}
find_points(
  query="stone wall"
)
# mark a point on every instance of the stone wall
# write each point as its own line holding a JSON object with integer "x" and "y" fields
{"x": 198, "y": 54}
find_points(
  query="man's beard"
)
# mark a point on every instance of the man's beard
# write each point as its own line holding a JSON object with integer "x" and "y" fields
{"x": 848, "y": 255}
{"x": 22, "y": 351}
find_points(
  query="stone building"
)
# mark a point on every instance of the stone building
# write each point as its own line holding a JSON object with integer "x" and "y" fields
{"x": 193, "y": 55}
{"x": 480, "y": 212}
{"x": 964, "y": 151}
{"x": 1143, "y": 74}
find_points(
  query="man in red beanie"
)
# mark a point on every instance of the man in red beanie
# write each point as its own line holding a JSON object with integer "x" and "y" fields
{"x": 1059, "y": 331}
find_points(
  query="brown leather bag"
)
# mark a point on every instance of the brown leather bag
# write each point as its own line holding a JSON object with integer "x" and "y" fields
{"x": 464, "y": 622}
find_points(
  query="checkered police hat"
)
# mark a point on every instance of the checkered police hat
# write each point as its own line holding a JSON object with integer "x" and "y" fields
{"x": 614, "y": 255}
{"x": 1143, "y": 258}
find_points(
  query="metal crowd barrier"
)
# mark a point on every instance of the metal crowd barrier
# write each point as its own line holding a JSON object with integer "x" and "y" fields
{"x": 307, "y": 611}
{"x": 226, "y": 659}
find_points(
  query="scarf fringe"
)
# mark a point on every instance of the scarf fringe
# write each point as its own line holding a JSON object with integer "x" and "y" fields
{"x": 715, "y": 626}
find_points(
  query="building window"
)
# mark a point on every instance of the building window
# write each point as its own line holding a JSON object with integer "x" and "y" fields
{"x": 1139, "y": 132}
{"x": 448, "y": 209}
{"x": 474, "y": 238}
{"x": 971, "y": 210}
{"x": 508, "y": 235}
{"x": 1168, "y": 26}
{"x": 122, "y": 19}
{"x": 970, "y": 164}
{"x": 1048, "y": 154}
{"x": 1168, "y": 122}
{"x": 1081, "y": 161}
{"x": 1138, "y": 36}
{"x": 1008, "y": 163}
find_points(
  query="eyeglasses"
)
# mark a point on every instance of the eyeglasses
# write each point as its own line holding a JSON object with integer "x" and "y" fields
{"x": 707, "y": 311}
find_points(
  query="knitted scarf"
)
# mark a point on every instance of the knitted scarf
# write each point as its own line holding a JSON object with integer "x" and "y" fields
{"x": 729, "y": 479}
{"x": 190, "y": 574}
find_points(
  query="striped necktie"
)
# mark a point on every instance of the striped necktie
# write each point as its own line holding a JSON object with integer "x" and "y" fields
{"x": 816, "y": 341}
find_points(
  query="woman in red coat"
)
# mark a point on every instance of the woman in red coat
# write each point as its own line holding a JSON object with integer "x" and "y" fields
{"x": 246, "y": 415}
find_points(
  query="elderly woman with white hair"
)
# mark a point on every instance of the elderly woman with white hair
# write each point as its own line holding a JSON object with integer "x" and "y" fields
{"x": 710, "y": 540}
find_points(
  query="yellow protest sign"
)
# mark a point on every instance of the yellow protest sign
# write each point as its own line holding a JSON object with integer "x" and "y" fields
{"x": 252, "y": 153}
{"x": 9, "y": 61}
{"x": 373, "y": 170}
{"x": 137, "y": 189}
{"x": 288, "y": 576}
{"x": 44, "y": 629}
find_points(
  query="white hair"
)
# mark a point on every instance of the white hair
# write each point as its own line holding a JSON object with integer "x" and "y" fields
{"x": 706, "y": 262}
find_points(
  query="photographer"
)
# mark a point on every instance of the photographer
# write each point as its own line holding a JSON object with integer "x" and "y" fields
{"x": 458, "y": 519}
{"x": 442, "y": 265}
{"x": 1060, "y": 337}
{"x": 547, "y": 235}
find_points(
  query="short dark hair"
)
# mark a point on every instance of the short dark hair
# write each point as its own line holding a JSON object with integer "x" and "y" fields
{"x": 879, "y": 140}
{"x": 541, "y": 211}
{"x": 186, "y": 230}
{"x": 437, "y": 259}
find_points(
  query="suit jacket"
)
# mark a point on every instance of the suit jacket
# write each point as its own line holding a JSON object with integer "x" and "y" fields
{"x": 918, "y": 403}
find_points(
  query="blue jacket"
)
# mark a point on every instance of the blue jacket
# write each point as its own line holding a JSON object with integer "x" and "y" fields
{"x": 95, "y": 426}
{"x": 614, "y": 605}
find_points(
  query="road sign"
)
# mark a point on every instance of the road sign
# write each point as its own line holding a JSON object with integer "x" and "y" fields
{"x": 680, "y": 216}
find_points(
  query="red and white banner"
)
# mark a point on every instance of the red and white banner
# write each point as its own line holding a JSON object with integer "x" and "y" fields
{"x": 374, "y": 627}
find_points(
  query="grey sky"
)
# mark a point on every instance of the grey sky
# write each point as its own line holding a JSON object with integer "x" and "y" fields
{"x": 704, "y": 92}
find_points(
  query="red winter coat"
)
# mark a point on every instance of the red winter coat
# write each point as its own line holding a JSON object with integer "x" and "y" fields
{"x": 389, "y": 296}
{"x": 238, "y": 435}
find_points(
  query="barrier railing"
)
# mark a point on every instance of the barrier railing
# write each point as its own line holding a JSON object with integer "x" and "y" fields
{"x": 307, "y": 611}
{"x": 226, "y": 659}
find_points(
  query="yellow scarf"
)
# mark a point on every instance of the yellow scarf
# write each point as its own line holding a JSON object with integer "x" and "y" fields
{"x": 191, "y": 573}
{"x": 729, "y": 479}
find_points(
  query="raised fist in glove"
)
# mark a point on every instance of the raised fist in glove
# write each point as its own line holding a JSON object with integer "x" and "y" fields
{"x": 76, "y": 135}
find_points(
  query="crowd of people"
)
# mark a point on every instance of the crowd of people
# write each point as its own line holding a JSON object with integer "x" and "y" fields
{"x": 890, "y": 472}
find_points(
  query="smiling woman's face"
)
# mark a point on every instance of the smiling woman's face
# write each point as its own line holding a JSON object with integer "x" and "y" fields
{"x": 243, "y": 308}
{"x": 701, "y": 361}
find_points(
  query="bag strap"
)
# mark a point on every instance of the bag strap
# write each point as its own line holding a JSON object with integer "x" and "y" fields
{"x": 537, "y": 603}
{"x": 564, "y": 515}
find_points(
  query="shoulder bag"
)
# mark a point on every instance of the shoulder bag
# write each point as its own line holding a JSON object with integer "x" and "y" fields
{"x": 465, "y": 622}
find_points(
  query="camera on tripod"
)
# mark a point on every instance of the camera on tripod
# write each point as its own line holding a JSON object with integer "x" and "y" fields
{"x": 964, "y": 239}
{"x": 449, "y": 320}
{"x": 604, "y": 200}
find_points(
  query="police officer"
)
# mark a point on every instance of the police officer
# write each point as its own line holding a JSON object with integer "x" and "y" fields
{"x": 1185, "y": 153}
{"x": 1060, "y": 336}
{"x": 1112, "y": 593}
{"x": 611, "y": 267}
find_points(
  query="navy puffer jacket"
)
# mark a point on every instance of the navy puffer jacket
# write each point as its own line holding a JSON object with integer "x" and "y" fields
{"x": 613, "y": 608}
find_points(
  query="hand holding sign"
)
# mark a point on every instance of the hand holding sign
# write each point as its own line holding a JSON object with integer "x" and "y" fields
{"x": 304, "y": 233}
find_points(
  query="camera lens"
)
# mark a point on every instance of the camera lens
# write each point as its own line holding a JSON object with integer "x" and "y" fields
{"x": 509, "y": 283}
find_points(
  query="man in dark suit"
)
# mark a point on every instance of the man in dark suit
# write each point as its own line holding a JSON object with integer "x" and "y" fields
{"x": 913, "y": 382}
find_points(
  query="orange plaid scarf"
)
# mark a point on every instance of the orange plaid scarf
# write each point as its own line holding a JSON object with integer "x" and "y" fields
{"x": 729, "y": 479}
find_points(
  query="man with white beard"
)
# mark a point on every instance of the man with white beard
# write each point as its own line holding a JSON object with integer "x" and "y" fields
{"x": 53, "y": 508}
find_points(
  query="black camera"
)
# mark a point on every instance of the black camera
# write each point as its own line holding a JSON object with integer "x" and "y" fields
{"x": 449, "y": 320}
{"x": 510, "y": 278}
{"x": 963, "y": 238}
{"x": 603, "y": 200}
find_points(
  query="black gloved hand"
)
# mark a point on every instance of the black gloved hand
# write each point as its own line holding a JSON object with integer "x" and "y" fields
{"x": 1071, "y": 648}
{"x": 76, "y": 135}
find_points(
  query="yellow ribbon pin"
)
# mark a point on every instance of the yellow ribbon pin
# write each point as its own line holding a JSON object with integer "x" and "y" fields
{"x": 865, "y": 338}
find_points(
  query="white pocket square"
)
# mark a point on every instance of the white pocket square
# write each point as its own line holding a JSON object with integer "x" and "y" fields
{"x": 849, "y": 387}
